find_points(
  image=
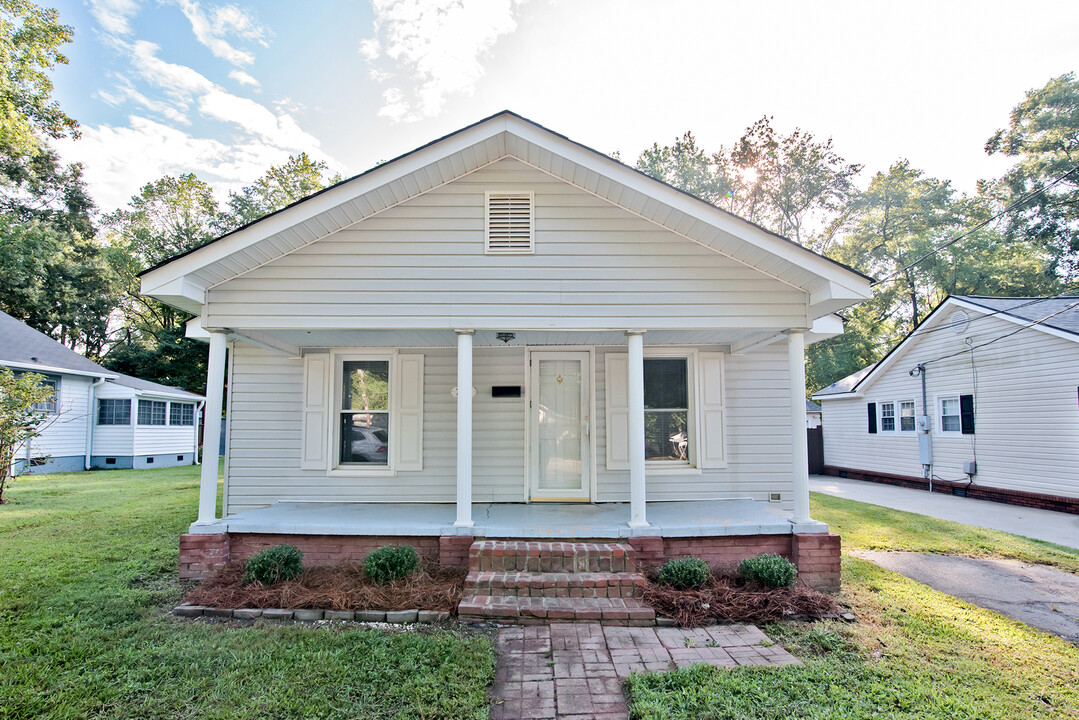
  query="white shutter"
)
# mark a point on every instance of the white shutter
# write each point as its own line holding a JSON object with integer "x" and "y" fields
{"x": 509, "y": 226}
{"x": 316, "y": 412}
{"x": 616, "y": 379}
{"x": 712, "y": 396}
{"x": 409, "y": 391}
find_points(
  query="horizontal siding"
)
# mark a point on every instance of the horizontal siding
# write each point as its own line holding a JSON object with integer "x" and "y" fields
{"x": 168, "y": 439}
{"x": 113, "y": 440}
{"x": 422, "y": 264}
{"x": 1027, "y": 419}
{"x": 64, "y": 434}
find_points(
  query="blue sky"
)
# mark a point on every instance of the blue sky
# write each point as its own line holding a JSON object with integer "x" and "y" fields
{"x": 224, "y": 89}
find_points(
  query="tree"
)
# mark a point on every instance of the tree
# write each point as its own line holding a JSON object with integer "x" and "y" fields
{"x": 1043, "y": 135}
{"x": 686, "y": 167}
{"x": 279, "y": 187}
{"x": 20, "y": 419}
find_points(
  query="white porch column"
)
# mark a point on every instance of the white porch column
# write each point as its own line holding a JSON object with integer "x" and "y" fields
{"x": 211, "y": 437}
{"x": 635, "y": 373}
{"x": 796, "y": 361}
{"x": 464, "y": 428}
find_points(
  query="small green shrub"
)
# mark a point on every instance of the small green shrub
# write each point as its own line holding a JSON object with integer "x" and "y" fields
{"x": 390, "y": 563}
{"x": 686, "y": 573}
{"x": 274, "y": 564}
{"x": 769, "y": 570}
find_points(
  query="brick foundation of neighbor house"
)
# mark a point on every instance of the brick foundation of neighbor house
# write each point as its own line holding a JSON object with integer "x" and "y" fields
{"x": 1022, "y": 498}
{"x": 815, "y": 554}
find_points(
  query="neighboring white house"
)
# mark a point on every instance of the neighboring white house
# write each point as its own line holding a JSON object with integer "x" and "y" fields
{"x": 982, "y": 398}
{"x": 97, "y": 417}
{"x": 813, "y": 415}
{"x": 506, "y": 316}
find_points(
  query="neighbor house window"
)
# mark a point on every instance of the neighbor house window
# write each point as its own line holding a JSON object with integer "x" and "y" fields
{"x": 950, "y": 418}
{"x": 111, "y": 411}
{"x": 181, "y": 414}
{"x": 365, "y": 412}
{"x": 906, "y": 416}
{"x": 52, "y": 404}
{"x": 666, "y": 409}
{"x": 887, "y": 417}
{"x": 152, "y": 412}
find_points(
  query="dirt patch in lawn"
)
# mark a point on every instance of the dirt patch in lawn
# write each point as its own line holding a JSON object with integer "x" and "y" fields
{"x": 339, "y": 587}
{"x": 723, "y": 599}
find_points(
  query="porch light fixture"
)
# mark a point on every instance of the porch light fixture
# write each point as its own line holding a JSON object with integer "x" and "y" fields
{"x": 505, "y": 336}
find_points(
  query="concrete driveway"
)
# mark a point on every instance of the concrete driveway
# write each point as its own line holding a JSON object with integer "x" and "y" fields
{"x": 1055, "y": 527}
{"x": 1040, "y": 596}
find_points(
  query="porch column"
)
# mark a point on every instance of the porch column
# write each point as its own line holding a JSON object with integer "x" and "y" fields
{"x": 211, "y": 437}
{"x": 464, "y": 428}
{"x": 636, "y": 429}
{"x": 796, "y": 361}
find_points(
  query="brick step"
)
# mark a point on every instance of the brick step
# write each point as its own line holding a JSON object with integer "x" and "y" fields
{"x": 551, "y": 557}
{"x": 627, "y": 611}
{"x": 527, "y": 584}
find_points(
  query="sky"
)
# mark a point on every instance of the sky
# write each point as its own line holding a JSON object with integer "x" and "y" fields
{"x": 224, "y": 90}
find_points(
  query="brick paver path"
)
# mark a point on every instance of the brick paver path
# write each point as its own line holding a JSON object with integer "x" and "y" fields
{"x": 575, "y": 670}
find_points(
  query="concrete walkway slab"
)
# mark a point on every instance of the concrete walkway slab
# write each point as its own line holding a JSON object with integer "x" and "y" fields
{"x": 1040, "y": 596}
{"x": 574, "y": 671}
{"x": 1055, "y": 527}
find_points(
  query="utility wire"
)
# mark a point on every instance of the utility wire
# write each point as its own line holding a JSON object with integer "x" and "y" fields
{"x": 990, "y": 313}
{"x": 979, "y": 226}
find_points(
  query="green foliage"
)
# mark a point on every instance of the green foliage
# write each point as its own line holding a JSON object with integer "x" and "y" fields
{"x": 88, "y": 562}
{"x": 769, "y": 570}
{"x": 279, "y": 187}
{"x": 390, "y": 563}
{"x": 279, "y": 563}
{"x": 20, "y": 420}
{"x": 687, "y": 573}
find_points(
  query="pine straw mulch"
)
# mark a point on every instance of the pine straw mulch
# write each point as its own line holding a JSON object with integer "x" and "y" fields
{"x": 723, "y": 599}
{"x": 339, "y": 587}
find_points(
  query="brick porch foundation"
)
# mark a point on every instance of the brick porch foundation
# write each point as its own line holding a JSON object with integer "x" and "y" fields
{"x": 815, "y": 554}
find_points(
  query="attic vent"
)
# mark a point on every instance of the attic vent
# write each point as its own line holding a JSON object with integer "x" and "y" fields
{"x": 958, "y": 321}
{"x": 509, "y": 223}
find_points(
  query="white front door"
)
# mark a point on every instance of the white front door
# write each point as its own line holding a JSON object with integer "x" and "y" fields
{"x": 560, "y": 425}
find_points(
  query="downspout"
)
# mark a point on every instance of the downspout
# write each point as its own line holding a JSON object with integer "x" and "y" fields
{"x": 90, "y": 421}
{"x": 925, "y": 440}
{"x": 198, "y": 416}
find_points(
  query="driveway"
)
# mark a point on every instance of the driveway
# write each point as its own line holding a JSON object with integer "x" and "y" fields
{"x": 1040, "y": 596}
{"x": 1055, "y": 527}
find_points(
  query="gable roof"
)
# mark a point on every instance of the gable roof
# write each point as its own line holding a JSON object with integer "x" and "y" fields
{"x": 23, "y": 347}
{"x": 812, "y": 407}
{"x": 1055, "y": 315}
{"x": 145, "y": 386}
{"x": 183, "y": 280}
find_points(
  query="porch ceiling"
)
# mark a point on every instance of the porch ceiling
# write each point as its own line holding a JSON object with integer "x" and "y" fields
{"x": 516, "y": 520}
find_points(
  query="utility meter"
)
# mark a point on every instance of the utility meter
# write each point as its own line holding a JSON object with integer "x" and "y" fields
{"x": 922, "y": 423}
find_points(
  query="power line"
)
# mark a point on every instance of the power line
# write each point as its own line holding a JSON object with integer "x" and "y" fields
{"x": 979, "y": 226}
{"x": 990, "y": 313}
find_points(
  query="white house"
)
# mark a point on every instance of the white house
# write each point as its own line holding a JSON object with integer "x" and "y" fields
{"x": 507, "y": 334}
{"x": 982, "y": 399}
{"x": 813, "y": 415}
{"x": 98, "y": 418}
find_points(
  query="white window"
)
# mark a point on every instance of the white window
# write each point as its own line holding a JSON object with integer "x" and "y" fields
{"x": 152, "y": 412}
{"x": 509, "y": 226}
{"x": 181, "y": 413}
{"x": 887, "y": 417}
{"x": 112, "y": 411}
{"x": 950, "y": 416}
{"x": 666, "y": 409}
{"x": 51, "y": 405}
{"x": 364, "y": 412}
{"x": 906, "y": 416}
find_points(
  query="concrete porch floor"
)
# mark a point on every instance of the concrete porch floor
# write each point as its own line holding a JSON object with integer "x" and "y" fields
{"x": 516, "y": 520}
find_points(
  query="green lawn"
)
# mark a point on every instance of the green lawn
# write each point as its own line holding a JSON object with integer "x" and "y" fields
{"x": 915, "y": 652}
{"x": 87, "y": 566}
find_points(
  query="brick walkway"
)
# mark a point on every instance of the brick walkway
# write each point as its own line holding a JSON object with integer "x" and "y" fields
{"x": 575, "y": 670}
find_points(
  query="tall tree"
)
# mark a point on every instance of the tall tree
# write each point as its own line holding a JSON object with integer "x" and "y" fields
{"x": 1043, "y": 136}
{"x": 279, "y": 187}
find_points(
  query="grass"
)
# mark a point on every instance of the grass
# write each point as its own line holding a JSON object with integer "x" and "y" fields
{"x": 915, "y": 652}
{"x": 88, "y": 562}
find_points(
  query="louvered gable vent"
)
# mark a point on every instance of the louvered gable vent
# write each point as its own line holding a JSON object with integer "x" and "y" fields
{"x": 509, "y": 223}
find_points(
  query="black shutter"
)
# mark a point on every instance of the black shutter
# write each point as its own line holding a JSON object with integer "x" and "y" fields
{"x": 872, "y": 418}
{"x": 966, "y": 414}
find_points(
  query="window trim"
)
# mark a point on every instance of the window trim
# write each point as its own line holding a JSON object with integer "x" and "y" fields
{"x": 97, "y": 415}
{"x": 50, "y": 407}
{"x": 337, "y": 359}
{"x": 940, "y": 414}
{"x": 180, "y": 404}
{"x": 881, "y": 417}
{"x": 691, "y": 464}
{"x": 138, "y": 413}
{"x": 897, "y": 416}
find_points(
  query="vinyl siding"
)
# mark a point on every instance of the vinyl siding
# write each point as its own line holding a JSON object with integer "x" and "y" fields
{"x": 421, "y": 264}
{"x": 64, "y": 434}
{"x": 1026, "y": 421}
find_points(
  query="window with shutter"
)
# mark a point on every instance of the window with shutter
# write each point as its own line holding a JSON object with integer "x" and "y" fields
{"x": 510, "y": 224}
{"x": 872, "y": 407}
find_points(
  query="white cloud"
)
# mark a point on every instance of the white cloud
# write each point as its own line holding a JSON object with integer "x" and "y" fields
{"x": 243, "y": 78}
{"x": 213, "y": 27}
{"x": 179, "y": 81}
{"x": 279, "y": 130}
{"x": 125, "y": 92}
{"x": 114, "y": 16}
{"x": 433, "y": 49}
